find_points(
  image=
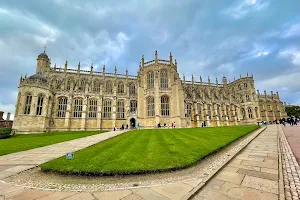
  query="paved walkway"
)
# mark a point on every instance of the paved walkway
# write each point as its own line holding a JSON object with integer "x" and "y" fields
{"x": 17, "y": 162}
{"x": 252, "y": 174}
{"x": 292, "y": 134}
{"x": 291, "y": 169}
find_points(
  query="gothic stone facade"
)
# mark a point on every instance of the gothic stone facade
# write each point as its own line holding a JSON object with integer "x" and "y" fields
{"x": 59, "y": 99}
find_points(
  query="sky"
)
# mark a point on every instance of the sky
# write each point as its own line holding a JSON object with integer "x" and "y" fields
{"x": 212, "y": 38}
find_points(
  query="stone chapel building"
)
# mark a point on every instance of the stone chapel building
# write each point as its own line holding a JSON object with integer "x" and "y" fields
{"x": 59, "y": 99}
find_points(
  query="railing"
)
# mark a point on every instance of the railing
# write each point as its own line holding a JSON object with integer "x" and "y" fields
{"x": 94, "y": 73}
{"x": 149, "y": 63}
{"x": 204, "y": 83}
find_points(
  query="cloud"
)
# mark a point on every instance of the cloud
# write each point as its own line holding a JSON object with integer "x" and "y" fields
{"x": 292, "y": 54}
{"x": 208, "y": 38}
{"x": 243, "y": 8}
{"x": 293, "y": 31}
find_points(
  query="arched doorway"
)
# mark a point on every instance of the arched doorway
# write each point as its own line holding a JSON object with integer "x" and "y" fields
{"x": 132, "y": 123}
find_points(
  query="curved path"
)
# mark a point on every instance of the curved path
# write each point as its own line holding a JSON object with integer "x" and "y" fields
{"x": 21, "y": 161}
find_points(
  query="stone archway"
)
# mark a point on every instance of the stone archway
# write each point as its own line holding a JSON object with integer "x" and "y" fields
{"x": 132, "y": 123}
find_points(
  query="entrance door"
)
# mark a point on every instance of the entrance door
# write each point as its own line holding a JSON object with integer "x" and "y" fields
{"x": 132, "y": 123}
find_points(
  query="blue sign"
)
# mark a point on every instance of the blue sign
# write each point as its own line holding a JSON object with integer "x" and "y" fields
{"x": 69, "y": 156}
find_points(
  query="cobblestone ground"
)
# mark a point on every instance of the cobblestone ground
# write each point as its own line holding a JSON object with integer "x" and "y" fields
{"x": 292, "y": 134}
{"x": 291, "y": 170}
{"x": 252, "y": 174}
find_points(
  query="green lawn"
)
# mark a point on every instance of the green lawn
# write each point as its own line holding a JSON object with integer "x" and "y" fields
{"x": 148, "y": 150}
{"x": 24, "y": 142}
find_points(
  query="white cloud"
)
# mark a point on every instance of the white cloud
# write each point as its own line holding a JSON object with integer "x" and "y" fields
{"x": 245, "y": 7}
{"x": 161, "y": 37}
{"x": 293, "y": 54}
{"x": 293, "y": 30}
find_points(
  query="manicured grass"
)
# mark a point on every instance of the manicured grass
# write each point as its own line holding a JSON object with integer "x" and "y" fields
{"x": 24, "y": 142}
{"x": 142, "y": 151}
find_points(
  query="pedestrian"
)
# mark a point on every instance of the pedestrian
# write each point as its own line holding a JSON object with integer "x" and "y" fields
{"x": 174, "y": 124}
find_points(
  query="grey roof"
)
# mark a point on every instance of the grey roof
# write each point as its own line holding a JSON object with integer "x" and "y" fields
{"x": 39, "y": 76}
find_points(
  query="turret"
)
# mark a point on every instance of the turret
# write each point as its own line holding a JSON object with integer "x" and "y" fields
{"x": 43, "y": 62}
{"x": 92, "y": 67}
{"x": 224, "y": 80}
{"x": 78, "y": 68}
{"x": 143, "y": 61}
{"x": 171, "y": 58}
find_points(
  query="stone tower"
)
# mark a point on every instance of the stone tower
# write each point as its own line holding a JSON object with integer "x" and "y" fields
{"x": 43, "y": 62}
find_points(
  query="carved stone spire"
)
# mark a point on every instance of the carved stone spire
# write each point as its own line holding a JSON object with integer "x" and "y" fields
{"x": 171, "y": 58}
{"x": 192, "y": 79}
{"x": 143, "y": 60}
{"x": 115, "y": 70}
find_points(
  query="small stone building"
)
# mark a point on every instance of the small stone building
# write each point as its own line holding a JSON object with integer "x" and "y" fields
{"x": 5, "y": 123}
{"x": 59, "y": 99}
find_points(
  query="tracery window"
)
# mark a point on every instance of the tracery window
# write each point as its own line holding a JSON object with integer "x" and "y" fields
{"x": 28, "y": 104}
{"x": 163, "y": 79}
{"x": 209, "y": 111}
{"x": 188, "y": 110}
{"x": 245, "y": 85}
{"x": 68, "y": 84}
{"x": 150, "y": 80}
{"x": 239, "y": 87}
{"x": 164, "y": 100}
{"x": 250, "y": 113}
{"x": 62, "y": 107}
{"x": 132, "y": 89}
{"x": 81, "y": 85}
{"x": 107, "y": 109}
{"x": 58, "y": 81}
{"x": 120, "y": 110}
{"x": 247, "y": 98}
{"x": 108, "y": 87}
{"x": 133, "y": 105}
{"x": 96, "y": 86}
{"x": 218, "y": 110}
{"x": 150, "y": 106}
{"x": 121, "y": 87}
{"x": 93, "y": 103}
{"x": 199, "y": 109}
{"x": 77, "y": 113}
{"x": 39, "y": 105}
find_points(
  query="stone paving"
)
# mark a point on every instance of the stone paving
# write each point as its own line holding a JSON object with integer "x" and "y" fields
{"x": 291, "y": 169}
{"x": 17, "y": 162}
{"x": 252, "y": 174}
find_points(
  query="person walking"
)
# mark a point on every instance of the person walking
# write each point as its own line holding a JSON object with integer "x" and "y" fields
{"x": 174, "y": 124}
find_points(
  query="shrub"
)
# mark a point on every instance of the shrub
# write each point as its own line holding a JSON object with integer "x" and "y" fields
{"x": 5, "y": 133}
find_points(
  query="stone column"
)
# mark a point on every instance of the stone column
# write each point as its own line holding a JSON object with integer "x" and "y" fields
{"x": 68, "y": 112}
{"x": 84, "y": 113}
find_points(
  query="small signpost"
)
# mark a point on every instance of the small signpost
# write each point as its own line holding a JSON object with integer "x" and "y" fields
{"x": 69, "y": 156}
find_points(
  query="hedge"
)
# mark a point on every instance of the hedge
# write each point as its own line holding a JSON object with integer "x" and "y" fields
{"x": 5, "y": 133}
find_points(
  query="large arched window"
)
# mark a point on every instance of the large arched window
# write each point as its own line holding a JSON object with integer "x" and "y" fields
{"x": 96, "y": 86}
{"x": 165, "y": 108}
{"x": 82, "y": 85}
{"x": 227, "y": 112}
{"x": 121, "y": 87}
{"x": 62, "y": 107}
{"x": 68, "y": 85}
{"x": 163, "y": 79}
{"x": 250, "y": 113}
{"x": 108, "y": 87}
{"x": 39, "y": 105}
{"x": 199, "y": 109}
{"x": 77, "y": 111}
{"x": 132, "y": 89}
{"x": 107, "y": 109}
{"x": 120, "y": 110}
{"x": 93, "y": 108}
{"x": 209, "y": 111}
{"x": 188, "y": 110}
{"x": 218, "y": 111}
{"x": 133, "y": 105}
{"x": 28, "y": 104}
{"x": 150, "y": 106}
{"x": 150, "y": 80}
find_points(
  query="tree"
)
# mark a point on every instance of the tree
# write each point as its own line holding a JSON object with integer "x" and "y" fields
{"x": 293, "y": 111}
